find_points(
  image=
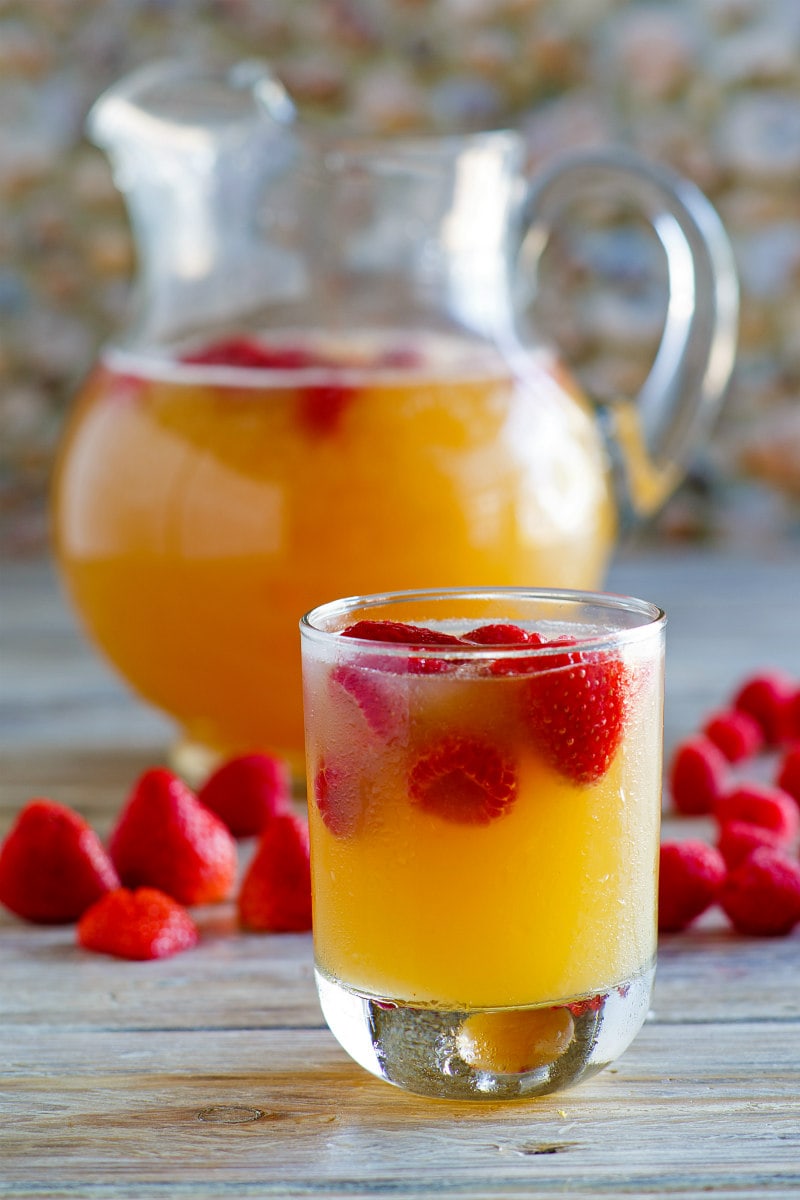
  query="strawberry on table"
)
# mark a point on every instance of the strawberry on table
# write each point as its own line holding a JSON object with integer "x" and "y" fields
{"x": 166, "y": 839}
{"x": 52, "y": 865}
{"x": 275, "y": 895}
{"x": 141, "y": 924}
{"x": 247, "y": 791}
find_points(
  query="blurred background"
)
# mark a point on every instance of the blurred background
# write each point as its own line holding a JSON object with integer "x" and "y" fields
{"x": 709, "y": 87}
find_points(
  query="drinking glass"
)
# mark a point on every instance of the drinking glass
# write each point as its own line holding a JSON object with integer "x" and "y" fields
{"x": 484, "y": 773}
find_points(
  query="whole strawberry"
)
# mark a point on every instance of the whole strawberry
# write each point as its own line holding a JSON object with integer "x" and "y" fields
{"x": 246, "y": 792}
{"x": 52, "y": 865}
{"x": 275, "y": 896}
{"x": 139, "y": 925}
{"x": 166, "y": 839}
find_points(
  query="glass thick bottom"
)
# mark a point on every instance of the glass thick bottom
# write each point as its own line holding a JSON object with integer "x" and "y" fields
{"x": 492, "y": 1054}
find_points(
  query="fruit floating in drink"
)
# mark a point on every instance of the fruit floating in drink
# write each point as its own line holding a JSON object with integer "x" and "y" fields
{"x": 484, "y": 799}
{"x": 204, "y": 502}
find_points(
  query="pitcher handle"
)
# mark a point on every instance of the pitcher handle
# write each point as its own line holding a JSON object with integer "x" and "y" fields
{"x": 650, "y": 436}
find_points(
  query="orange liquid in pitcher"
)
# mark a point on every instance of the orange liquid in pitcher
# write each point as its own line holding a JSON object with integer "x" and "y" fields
{"x": 548, "y": 897}
{"x": 201, "y": 509}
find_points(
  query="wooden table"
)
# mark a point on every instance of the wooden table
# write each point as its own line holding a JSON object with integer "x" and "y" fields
{"x": 212, "y": 1074}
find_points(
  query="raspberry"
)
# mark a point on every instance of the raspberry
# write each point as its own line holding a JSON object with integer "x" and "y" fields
{"x": 139, "y": 925}
{"x": 52, "y": 865}
{"x": 788, "y": 777}
{"x": 464, "y": 780}
{"x": 690, "y": 875}
{"x": 246, "y": 792}
{"x": 738, "y": 839}
{"x": 736, "y": 733}
{"x": 766, "y": 698}
{"x": 758, "y": 804}
{"x": 762, "y": 896}
{"x": 166, "y": 839}
{"x": 697, "y": 777}
{"x": 275, "y": 896}
{"x": 577, "y": 706}
{"x": 338, "y": 799}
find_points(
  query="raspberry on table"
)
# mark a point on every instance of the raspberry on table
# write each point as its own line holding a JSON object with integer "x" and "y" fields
{"x": 766, "y": 697}
{"x": 738, "y": 839}
{"x": 736, "y": 733}
{"x": 788, "y": 776}
{"x": 760, "y": 804}
{"x": 698, "y": 776}
{"x": 690, "y": 876}
{"x": 761, "y": 897}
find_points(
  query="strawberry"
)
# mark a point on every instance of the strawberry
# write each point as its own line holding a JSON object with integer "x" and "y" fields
{"x": 759, "y": 804}
{"x": 689, "y": 878}
{"x": 762, "y": 896}
{"x": 577, "y": 708}
{"x": 499, "y": 635}
{"x": 463, "y": 779}
{"x": 321, "y": 407}
{"x": 338, "y": 798}
{"x": 402, "y": 634}
{"x": 738, "y": 839}
{"x": 248, "y": 353}
{"x": 165, "y": 838}
{"x": 52, "y": 865}
{"x": 374, "y": 697}
{"x": 140, "y": 925}
{"x": 246, "y": 792}
{"x": 275, "y": 896}
{"x": 698, "y": 776}
{"x": 767, "y": 698}
{"x": 736, "y": 733}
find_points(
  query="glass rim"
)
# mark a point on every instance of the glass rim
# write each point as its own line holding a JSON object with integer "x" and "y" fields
{"x": 654, "y": 620}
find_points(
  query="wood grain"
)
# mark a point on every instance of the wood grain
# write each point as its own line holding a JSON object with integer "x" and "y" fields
{"x": 213, "y": 1075}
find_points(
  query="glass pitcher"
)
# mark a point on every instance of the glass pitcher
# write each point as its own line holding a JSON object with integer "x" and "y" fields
{"x": 329, "y": 385}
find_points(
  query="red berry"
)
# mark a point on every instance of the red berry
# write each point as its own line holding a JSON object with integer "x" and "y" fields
{"x": 166, "y": 839}
{"x": 766, "y": 698}
{"x": 321, "y": 407}
{"x": 498, "y": 635}
{"x": 275, "y": 896}
{"x": 139, "y": 924}
{"x": 788, "y": 777}
{"x": 690, "y": 875}
{"x": 738, "y": 839}
{"x": 792, "y": 717}
{"x": 577, "y": 707}
{"x": 247, "y": 791}
{"x": 760, "y": 805}
{"x": 736, "y": 733}
{"x": 375, "y": 698}
{"x": 337, "y": 796}
{"x": 762, "y": 896}
{"x": 463, "y": 779}
{"x": 402, "y": 634}
{"x": 248, "y": 353}
{"x": 698, "y": 776}
{"x": 52, "y": 865}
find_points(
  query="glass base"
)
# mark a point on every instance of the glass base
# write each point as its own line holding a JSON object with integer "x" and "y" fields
{"x": 492, "y": 1054}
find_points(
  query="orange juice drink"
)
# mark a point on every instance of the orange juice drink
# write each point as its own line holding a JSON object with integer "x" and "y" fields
{"x": 204, "y": 502}
{"x": 484, "y": 799}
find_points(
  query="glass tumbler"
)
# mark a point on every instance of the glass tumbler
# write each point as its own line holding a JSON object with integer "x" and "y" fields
{"x": 484, "y": 774}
